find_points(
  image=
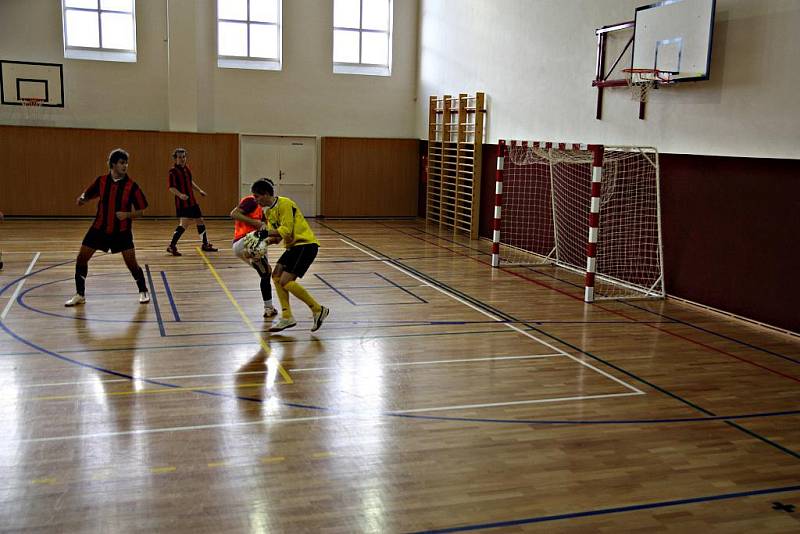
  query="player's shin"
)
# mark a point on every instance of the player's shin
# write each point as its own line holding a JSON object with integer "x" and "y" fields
{"x": 300, "y": 292}
{"x": 283, "y": 298}
{"x": 81, "y": 272}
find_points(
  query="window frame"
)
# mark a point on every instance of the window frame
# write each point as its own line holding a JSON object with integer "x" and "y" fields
{"x": 368, "y": 69}
{"x": 248, "y": 61}
{"x": 99, "y": 53}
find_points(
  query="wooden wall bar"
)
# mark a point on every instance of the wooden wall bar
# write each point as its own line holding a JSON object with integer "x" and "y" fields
{"x": 369, "y": 177}
{"x": 43, "y": 170}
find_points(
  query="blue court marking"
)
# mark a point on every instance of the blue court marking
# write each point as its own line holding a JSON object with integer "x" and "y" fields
{"x": 387, "y": 414}
{"x": 401, "y": 287}
{"x": 491, "y": 309}
{"x": 336, "y": 290}
{"x": 104, "y": 370}
{"x": 155, "y": 302}
{"x": 21, "y": 299}
{"x": 765, "y": 440}
{"x": 674, "y": 420}
{"x": 615, "y": 510}
{"x": 24, "y": 294}
{"x": 671, "y": 319}
{"x": 40, "y": 349}
{"x": 169, "y": 296}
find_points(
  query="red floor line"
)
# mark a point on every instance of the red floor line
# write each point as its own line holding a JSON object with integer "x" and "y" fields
{"x": 615, "y": 312}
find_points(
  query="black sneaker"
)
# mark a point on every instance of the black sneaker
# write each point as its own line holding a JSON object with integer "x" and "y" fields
{"x": 319, "y": 317}
{"x": 172, "y": 249}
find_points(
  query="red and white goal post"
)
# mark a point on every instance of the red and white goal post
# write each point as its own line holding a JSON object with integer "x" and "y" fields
{"x": 590, "y": 209}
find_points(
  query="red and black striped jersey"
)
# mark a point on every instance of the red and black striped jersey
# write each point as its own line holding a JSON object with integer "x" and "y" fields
{"x": 114, "y": 196}
{"x": 181, "y": 179}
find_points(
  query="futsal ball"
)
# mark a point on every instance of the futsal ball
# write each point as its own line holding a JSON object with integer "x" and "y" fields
{"x": 255, "y": 245}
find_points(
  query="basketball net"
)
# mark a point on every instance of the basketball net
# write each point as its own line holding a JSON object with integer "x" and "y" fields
{"x": 32, "y": 109}
{"x": 642, "y": 81}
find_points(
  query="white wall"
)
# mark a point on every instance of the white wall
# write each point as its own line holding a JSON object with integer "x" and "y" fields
{"x": 176, "y": 85}
{"x": 97, "y": 94}
{"x": 535, "y": 60}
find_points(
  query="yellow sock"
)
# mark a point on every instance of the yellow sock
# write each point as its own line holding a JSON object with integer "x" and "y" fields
{"x": 300, "y": 292}
{"x": 283, "y": 298}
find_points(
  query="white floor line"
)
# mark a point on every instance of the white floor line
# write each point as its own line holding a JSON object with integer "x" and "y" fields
{"x": 177, "y": 429}
{"x": 362, "y": 415}
{"x": 19, "y": 287}
{"x": 245, "y": 373}
{"x": 433, "y": 362}
{"x": 493, "y": 317}
{"x": 514, "y": 403}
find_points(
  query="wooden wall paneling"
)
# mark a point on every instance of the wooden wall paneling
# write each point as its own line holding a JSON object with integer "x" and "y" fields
{"x": 43, "y": 170}
{"x": 730, "y": 234}
{"x": 369, "y": 177}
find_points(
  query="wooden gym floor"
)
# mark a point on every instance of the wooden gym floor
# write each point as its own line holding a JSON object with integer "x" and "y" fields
{"x": 440, "y": 395}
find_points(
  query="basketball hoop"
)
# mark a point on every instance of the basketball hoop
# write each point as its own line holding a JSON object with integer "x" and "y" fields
{"x": 32, "y": 108}
{"x": 642, "y": 81}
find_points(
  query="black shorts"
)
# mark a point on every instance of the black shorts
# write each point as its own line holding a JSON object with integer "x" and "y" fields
{"x": 192, "y": 212}
{"x": 298, "y": 259}
{"x": 99, "y": 240}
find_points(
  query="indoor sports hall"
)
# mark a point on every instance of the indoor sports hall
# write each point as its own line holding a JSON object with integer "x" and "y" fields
{"x": 406, "y": 266}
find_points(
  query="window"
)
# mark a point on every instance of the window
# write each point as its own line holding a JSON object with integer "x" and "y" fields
{"x": 249, "y": 34}
{"x": 362, "y": 37}
{"x": 99, "y": 29}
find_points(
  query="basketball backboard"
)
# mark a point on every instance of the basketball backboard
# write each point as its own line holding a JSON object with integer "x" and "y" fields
{"x": 21, "y": 81}
{"x": 674, "y": 36}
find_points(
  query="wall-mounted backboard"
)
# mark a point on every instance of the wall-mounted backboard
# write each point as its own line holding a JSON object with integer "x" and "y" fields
{"x": 21, "y": 80}
{"x": 675, "y": 36}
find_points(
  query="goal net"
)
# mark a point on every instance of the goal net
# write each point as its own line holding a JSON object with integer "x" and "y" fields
{"x": 590, "y": 209}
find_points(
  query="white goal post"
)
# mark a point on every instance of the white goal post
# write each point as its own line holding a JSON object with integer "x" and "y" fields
{"x": 590, "y": 209}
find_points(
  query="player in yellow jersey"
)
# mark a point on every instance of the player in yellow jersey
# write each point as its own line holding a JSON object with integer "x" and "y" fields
{"x": 285, "y": 222}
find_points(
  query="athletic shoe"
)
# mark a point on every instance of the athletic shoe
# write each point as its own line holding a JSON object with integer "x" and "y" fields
{"x": 319, "y": 317}
{"x": 282, "y": 324}
{"x": 172, "y": 249}
{"x": 75, "y": 300}
{"x": 270, "y": 311}
{"x": 1, "y": 264}
{"x": 144, "y": 297}
{"x": 208, "y": 247}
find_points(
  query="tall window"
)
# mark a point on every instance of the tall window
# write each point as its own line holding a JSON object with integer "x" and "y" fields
{"x": 362, "y": 37}
{"x": 249, "y": 34}
{"x": 99, "y": 29}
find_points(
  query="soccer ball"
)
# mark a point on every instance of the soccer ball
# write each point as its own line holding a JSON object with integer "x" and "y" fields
{"x": 254, "y": 245}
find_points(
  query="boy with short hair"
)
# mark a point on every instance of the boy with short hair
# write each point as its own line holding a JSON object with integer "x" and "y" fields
{"x": 119, "y": 201}
{"x": 187, "y": 209}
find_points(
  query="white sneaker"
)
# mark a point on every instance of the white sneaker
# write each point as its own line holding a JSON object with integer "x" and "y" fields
{"x": 270, "y": 311}
{"x": 319, "y": 317}
{"x": 282, "y": 324}
{"x": 75, "y": 300}
{"x": 144, "y": 297}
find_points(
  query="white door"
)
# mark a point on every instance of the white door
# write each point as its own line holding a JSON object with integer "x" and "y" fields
{"x": 290, "y": 162}
{"x": 297, "y": 176}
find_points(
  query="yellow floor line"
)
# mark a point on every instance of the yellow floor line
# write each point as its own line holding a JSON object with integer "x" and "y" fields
{"x": 159, "y": 470}
{"x": 256, "y": 333}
